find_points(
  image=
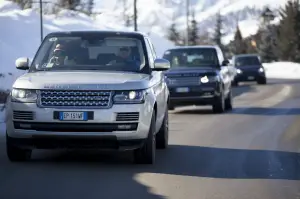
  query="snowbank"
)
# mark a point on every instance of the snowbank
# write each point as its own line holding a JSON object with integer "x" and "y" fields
{"x": 7, "y": 6}
{"x": 282, "y": 70}
{"x": 20, "y": 34}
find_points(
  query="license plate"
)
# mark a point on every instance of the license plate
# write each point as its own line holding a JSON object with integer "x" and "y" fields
{"x": 182, "y": 90}
{"x": 73, "y": 116}
{"x": 250, "y": 77}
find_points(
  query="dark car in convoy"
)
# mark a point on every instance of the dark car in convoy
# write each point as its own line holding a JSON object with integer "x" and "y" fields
{"x": 249, "y": 69}
{"x": 199, "y": 75}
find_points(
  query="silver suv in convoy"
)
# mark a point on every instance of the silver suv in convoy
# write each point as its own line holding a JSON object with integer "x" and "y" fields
{"x": 90, "y": 89}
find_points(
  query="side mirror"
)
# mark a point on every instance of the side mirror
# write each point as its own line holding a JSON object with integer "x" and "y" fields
{"x": 161, "y": 64}
{"x": 22, "y": 63}
{"x": 225, "y": 62}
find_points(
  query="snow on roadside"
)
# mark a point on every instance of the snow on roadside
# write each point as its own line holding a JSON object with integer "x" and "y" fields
{"x": 8, "y": 6}
{"x": 282, "y": 70}
{"x": 20, "y": 34}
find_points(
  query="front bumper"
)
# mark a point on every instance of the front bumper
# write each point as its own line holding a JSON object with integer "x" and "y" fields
{"x": 76, "y": 142}
{"x": 196, "y": 95}
{"x": 249, "y": 76}
{"x": 43, "y": 125}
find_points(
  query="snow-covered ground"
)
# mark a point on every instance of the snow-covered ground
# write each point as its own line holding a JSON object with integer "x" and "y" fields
{"x": 282, "y": 70}
{"x": 20, "y": 34}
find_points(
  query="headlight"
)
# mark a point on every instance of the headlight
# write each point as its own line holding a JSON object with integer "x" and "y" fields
{"x": 23, "y": 95}
{"x": 207, "y": 79}
{"x": 261, "y": 70}
{"x": 129, "y": 97}
{"x": 238, "y": 71}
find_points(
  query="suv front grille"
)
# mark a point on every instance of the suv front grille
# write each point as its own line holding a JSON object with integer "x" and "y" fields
{"x": 65, "y": 98}
{"x": 174, "y": 81}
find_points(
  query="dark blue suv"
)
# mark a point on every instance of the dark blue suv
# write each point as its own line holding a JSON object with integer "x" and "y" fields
{"x": 199, "y": 75}
{"x": 248, "y": 69}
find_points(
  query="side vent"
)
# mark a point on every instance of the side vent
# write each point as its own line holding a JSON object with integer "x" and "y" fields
{"x": 23, "y": 115}
{"x": 129, "y": 116}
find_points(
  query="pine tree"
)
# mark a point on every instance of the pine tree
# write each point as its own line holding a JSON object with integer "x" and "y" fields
{"x": 28, "y": 4}
{"x": 86, "y": 6}
{"x": 193, "y": 31}
{"x": 128, "y": 19}
{"x": 90, "y": 7}
{"x": 267, "y": 41}
{"x": 218, "y": 31}
{"x": 204, "y": 39}
{"x": 297, "y": 28}
{"x": 24, "y": 4}
{"x": 239, "y": 44}
{"x": 173, "y": 34}
{"x": 288, "y": 38}
{"x": 70, "y": 4}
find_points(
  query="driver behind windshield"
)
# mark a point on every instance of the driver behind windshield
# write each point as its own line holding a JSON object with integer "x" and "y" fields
{"x": 60, "y": 56}
{"x": 123, "y": 56}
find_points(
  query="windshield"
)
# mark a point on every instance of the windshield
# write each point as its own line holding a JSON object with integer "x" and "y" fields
{"x": 247, "y": 61}
{"x": 90, "y": 53}
{"x": 192, "y": 57}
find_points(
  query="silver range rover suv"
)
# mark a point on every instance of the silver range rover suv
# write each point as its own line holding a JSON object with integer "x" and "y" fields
{"x": 90, "y": 89}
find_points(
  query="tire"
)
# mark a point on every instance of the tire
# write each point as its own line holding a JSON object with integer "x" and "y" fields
{"x": 235, "y": 83}
{"x": 16, "y": 154}
{"x": 219, "y": 104}
{"x": 171, "y": 107}
{"x": 228, "y": 101}
{"x": 162, "y": 137}
{"x": 262, "y": 81}
{"x": 146, "y": 154}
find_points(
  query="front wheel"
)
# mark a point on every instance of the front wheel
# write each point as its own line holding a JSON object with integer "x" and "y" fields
{"x": 228, "y": 101}
{"x": 16, "y": 154}
{"x": 162, "y": 137}
{"x": 219, "y": 104}
{"x": 146, "y": 154}
{"x": 171, "y": 107}
{"x": 235, "y": 83}
{"x": 262, "y": 81}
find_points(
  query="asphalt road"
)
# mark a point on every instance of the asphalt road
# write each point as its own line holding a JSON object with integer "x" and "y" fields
{"x": 251, "y": 152}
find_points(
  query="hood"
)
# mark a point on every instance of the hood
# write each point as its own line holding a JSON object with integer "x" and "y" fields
{"x": 199, "y": 71}
{"x": 83, "y": 80}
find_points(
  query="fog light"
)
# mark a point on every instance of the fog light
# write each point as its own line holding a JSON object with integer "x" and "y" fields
{"x": 25, "y": 126}
{"x": 208, "y": 94}
{"x": 125, "y": 126}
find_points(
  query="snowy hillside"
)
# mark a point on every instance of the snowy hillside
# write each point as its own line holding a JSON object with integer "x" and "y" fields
{"x": 20, "y": 34}
{"x": 156, "y": 15}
